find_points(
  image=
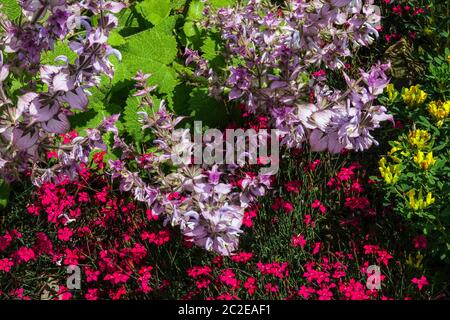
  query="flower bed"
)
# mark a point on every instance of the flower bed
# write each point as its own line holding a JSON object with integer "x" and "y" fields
{"x": 100, "y": 176}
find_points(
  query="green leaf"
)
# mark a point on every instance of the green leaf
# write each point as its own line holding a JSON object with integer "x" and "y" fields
{"x": 210, "y": 48}
{"x": 178, "y": 4}
{"x": 195, "y": 11}
{"x": 155, "y": 11}
{"x": 165, "y": 78}
{"x": 11, "y": 8}
{"x": 61, "y": 49}
{"x": 181, "y": 96}
{"x": 115, "y": 39}
{"x": 131, "y": 119}
{"x": 222, "y": 3}
{"x": 150, "y": 51}
{"x": 168, "y": 25}
{"x": 15, "y": 88}
{"x": 128, "y": 19}
{"x": 152, "y": 44}
{"x": 207, "y": 109}
{"x": 190, "y": 29}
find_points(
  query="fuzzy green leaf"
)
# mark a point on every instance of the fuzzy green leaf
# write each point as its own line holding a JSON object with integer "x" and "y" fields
{"x": 150, "y": 51}
{"x": 178, "y": 4}
{"x": 168, "y": 25}
{"x": 195, "y": 11}
{"x": 207, "y": 109}
{"x": 11, "y": 8}
{"x": 131, "y": 119}
{"x": 222, "y": 3}
{"x": 155, "y": 11}
{"x": 210, "y": 48}
{"x": 60, "y": 49}
{"x": 115, "y": 39}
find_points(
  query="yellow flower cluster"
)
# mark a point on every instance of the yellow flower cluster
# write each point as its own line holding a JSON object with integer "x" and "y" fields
{"x": 392, "y": 93}
{"x": 416, "y": 261}
{"x": 439, "y": 110}
{"x": 390, "y": 173}
{"x": 424, "y": 161}
{"x": 419, "y": 138}
{"x": 398, "y": 150}
{"x": 420, "y": 203}
{"x": 413, "y": 96}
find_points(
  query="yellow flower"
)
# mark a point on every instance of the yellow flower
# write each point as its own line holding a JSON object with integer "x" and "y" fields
{"x": 390, "y": 173}
{"x": 439, "y": 110}
{"x": 394, "y": 149}
{"x": 424, "y": 161}
{"x": 428, "y": 31}
{"x": 415, "y": 262}
{"x": 392, "y": 93}
{"x": 413, "y": 96}
{"x": 430, "y": 200}
{"x": 419, "y": 138}
{"x": 419, "y": 203}
{"x": 398, "y": 148}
